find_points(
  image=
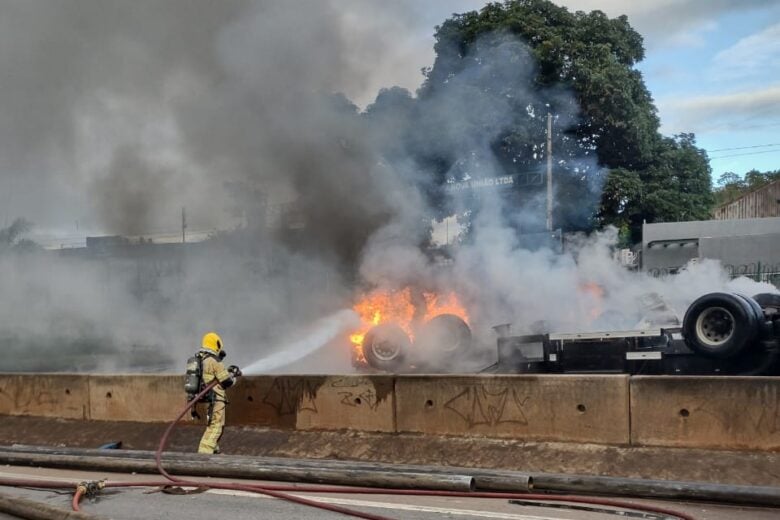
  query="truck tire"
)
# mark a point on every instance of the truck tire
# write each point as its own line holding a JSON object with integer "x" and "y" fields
{"x": 385, "y": 346}
{"x": 768, "y": 301}
{"x": 764, "y": 325}
{"x": 720, "y": 325}
{"x": 444, "y": 334}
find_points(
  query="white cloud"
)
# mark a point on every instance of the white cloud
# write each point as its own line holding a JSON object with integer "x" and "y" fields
{"x": 662, "y": 23}
{"x": 729, "y": 111}
{"x": 752, "y": 57}
{"x": 695, "y": 36}
{"x": 669, "y": 23}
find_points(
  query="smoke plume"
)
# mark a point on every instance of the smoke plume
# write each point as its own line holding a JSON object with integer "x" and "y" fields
{"x": 118, "y": 114}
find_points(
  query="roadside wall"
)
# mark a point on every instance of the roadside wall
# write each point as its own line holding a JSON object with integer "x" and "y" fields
{"x": 706, "y": 412}
{"x": 365, "y": 403}
{"x": 545, "y": 407}
{"x": 693, "y": 412}
{"x": 141, "y": 398}
{"x": 45, "y": 395}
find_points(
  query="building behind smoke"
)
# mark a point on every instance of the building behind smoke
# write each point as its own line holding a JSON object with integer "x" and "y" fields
{"x": 745, "y": 247}
{"x": 760, "y": 203}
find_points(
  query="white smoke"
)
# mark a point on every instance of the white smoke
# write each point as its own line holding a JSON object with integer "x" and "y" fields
{"x": 291, "y": 351}
{"x": 493, "y": 270}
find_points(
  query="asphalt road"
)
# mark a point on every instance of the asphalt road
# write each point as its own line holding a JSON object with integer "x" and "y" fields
{"x": 149, "y": 503}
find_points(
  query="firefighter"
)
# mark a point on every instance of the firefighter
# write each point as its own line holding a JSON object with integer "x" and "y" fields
{"x": 212, "y": 354}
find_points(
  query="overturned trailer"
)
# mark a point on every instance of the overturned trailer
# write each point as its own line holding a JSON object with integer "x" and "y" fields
{"x": 720, "y": 334}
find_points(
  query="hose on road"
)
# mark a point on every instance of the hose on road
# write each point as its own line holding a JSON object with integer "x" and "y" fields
{"x": 19, "y": 507}
{"x": 327, "y": 490}
{"x": 245, "y": 487}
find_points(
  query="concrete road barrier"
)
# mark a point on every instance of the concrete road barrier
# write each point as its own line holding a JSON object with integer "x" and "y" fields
{"x": 143, "y": 398}
{"x": 706, "y": 412}
{"x": 545, "y": 407}
{"x": 351, "y": 402}
{"x": 253, "y": 402}
{"x": 44, "y": 395}
{"x": 665, "y": 411}
{"x": 314, "y": 402}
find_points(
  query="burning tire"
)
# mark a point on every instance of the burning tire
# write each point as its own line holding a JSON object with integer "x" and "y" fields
{"x": 385, "y": 346}
{"x": 445, "y": 334}
{"x": 720, "y": 325}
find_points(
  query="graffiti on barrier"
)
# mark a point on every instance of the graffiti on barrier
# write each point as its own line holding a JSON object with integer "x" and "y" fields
{"x": 23, "y": 401}
{"x": 289, "y": 396}
{"x": 479, "y": 406}
{"x": 355, "y": 392}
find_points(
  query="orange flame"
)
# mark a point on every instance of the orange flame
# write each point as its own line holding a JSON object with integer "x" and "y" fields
{"x": 594, "y": 298}
{"x": 401, "y": 308}
{"x": 444, "y": 304}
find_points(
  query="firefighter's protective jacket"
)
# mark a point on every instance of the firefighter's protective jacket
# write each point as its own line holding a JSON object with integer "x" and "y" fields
{"x": 213, "y": 368}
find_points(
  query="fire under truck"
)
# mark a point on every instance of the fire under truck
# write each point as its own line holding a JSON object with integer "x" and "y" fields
{"x": 720, "y": 334}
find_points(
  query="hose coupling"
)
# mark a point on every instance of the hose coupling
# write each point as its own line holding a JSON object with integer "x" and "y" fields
{"x": 90, "y": 488}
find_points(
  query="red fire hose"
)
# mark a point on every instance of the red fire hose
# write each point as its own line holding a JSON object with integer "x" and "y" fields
{"x": 282, "y": 492}
{"x": 245, "y": 487}
{"x": 77, "y": 497}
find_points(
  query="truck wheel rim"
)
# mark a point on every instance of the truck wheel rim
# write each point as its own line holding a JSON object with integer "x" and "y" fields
{"x": 715, "y": 326}
{"x": 385, "y": 350}
{"x": 451, "y": 345}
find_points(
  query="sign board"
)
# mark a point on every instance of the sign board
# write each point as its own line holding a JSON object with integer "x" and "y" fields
{"x": 504, "y": 181}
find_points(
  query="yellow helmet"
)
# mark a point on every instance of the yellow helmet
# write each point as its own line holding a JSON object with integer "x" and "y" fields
{"x": 212, "y": 342}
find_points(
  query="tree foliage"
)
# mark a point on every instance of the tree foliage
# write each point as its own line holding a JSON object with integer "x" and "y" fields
{"x": 675, "y": 186}
{"x": 588, "y": 52}
{"x": 731, "y": 186}
{"x": 606, "y": 127}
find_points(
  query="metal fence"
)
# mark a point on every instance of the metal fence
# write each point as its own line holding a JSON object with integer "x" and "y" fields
{"x": 769, "y": 273}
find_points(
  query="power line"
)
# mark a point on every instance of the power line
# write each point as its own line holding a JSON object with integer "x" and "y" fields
{"x": 741, "y": 154}
{"x": 744, "y": 147}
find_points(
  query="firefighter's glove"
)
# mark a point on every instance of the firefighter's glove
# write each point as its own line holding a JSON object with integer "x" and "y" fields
{"x": 233, "y": 369}
{"x": 194, "y": 413}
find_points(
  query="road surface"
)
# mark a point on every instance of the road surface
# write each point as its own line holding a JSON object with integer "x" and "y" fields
{"x": 150, "y": 503}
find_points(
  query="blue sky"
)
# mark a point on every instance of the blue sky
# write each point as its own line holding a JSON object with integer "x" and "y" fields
{"x": 712, "y": 66}
{"x": 723, "y": 84}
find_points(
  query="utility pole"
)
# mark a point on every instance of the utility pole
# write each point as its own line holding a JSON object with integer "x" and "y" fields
{"x": 183, "y": 225}
{"x": 549, "y": 173}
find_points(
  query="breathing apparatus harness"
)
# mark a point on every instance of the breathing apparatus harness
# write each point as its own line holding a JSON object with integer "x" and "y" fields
{"x": 194, "y": 383}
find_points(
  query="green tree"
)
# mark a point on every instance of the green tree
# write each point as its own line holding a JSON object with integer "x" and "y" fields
{"x": 611, "y": 116}
{"x": 677, "y": 183}
{"x": 731, "y": 186}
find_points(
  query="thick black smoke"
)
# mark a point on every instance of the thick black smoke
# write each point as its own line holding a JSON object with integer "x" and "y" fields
{"x": 118, "y": 114}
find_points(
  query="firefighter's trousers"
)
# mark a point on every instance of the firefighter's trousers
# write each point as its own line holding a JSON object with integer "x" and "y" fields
{"x": 210, "y": 439}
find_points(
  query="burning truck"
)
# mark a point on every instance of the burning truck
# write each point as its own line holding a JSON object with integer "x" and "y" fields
{"x": 719, "y": 334}
{"x": 410, "y": 330}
